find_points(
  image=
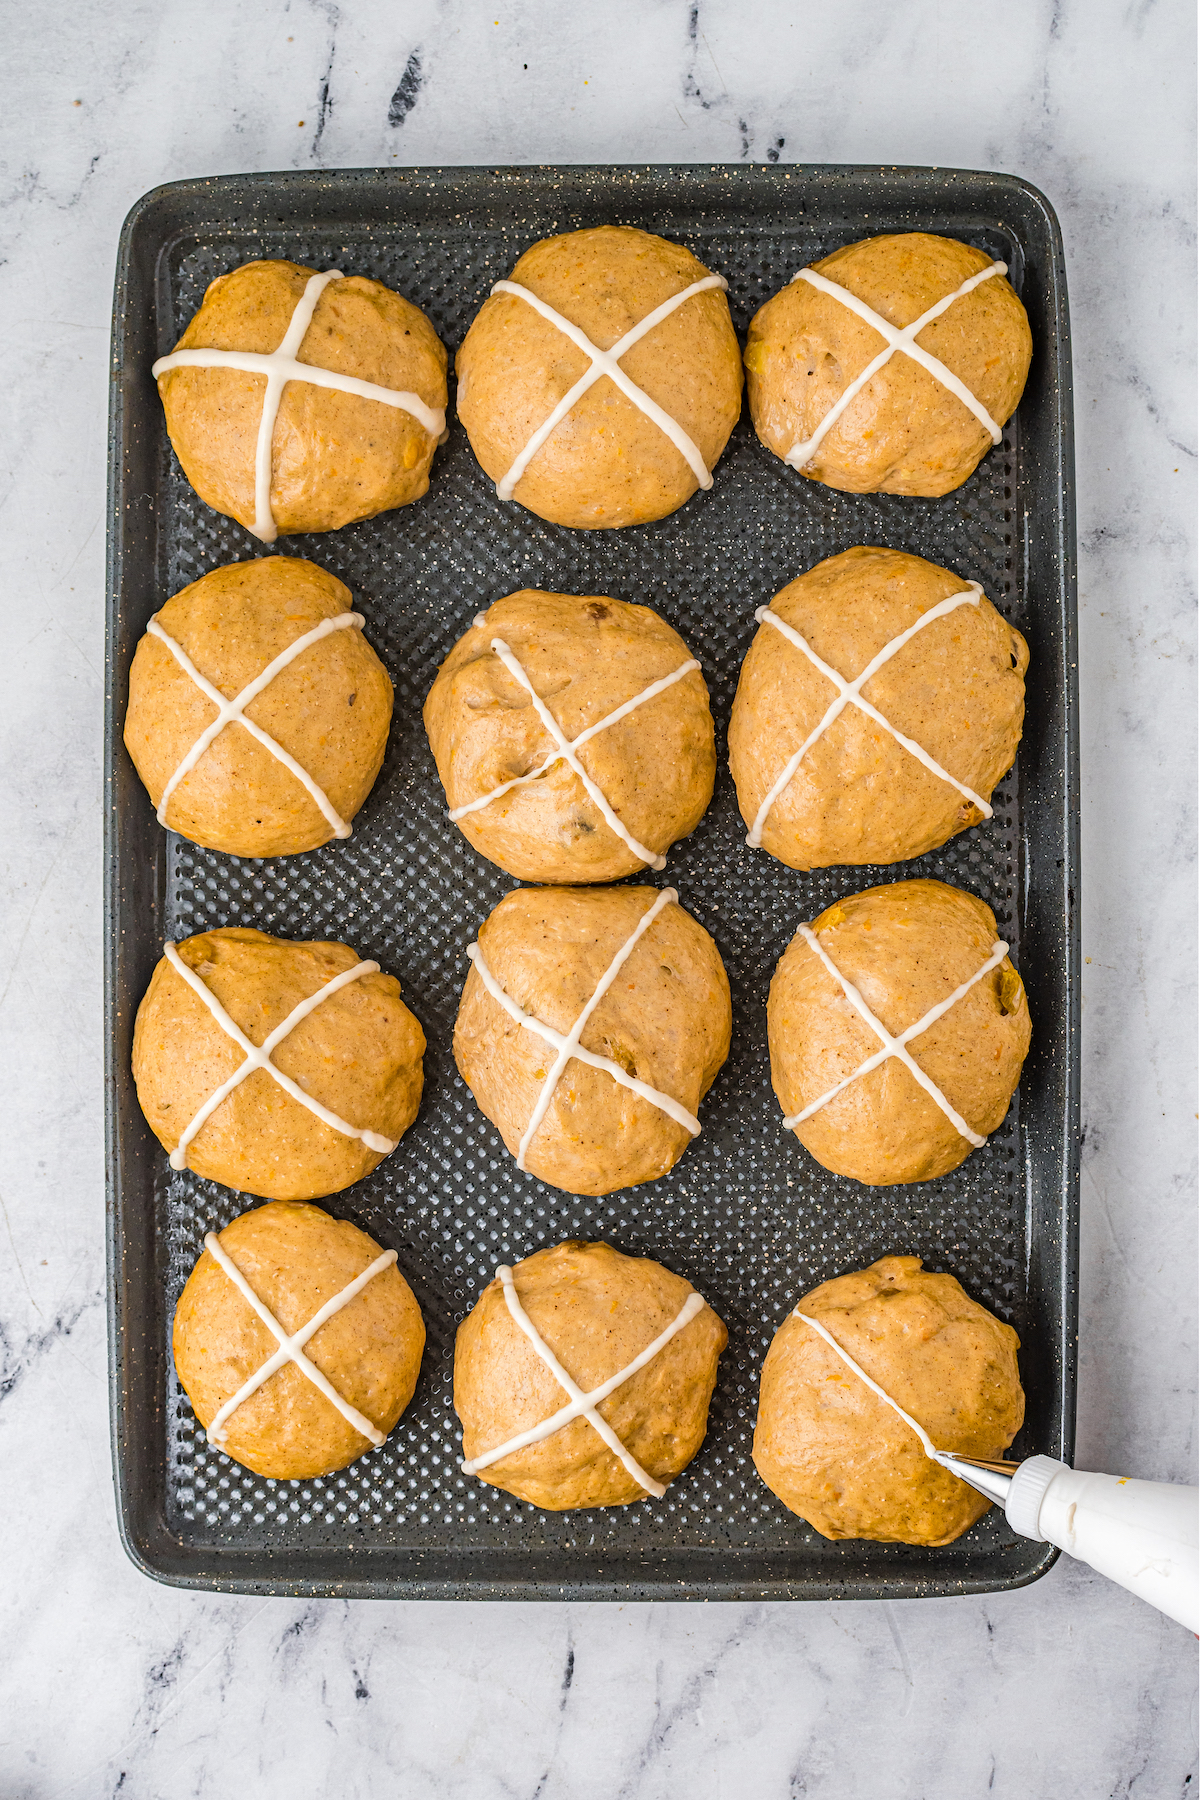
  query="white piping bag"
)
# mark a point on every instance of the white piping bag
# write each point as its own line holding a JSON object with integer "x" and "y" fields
{"x": 1141, "y": 1534}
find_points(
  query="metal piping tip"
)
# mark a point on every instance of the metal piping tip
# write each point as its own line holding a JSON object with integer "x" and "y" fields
{"x": 991, "y": 1478}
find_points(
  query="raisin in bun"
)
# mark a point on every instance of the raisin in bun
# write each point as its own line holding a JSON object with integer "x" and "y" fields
{"x": 647, "y": 775}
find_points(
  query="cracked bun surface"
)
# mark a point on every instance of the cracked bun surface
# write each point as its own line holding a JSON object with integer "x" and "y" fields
{"x": 335, "y": 456}
{"x": 905, "y": 431}
{"x": 858, "y": 795}
{"x": 596, "y": 1310}
{"x": 297, "y": 1259}
{"x": 586, "y": 657}
{"x": 906, "y": 949}
{"x": 839, "y": 1456}
{"x": 359, "y": 1054}
{"x": 664, "y": 1021}
{"x": 606, "y": 463}
{"x": 329, "y": 709}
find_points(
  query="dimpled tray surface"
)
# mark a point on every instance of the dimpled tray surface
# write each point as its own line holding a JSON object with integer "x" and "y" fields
{"x": 747, "y": 1215}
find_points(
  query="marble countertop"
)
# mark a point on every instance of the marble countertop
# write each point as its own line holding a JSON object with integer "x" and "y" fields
{"x": 111, "y": 1684}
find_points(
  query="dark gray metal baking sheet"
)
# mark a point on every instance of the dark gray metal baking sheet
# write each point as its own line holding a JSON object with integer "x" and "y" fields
{"x": 746, "y": 1215}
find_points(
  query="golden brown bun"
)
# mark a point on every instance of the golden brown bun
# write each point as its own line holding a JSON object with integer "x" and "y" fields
{"x": 296, "y": 1258}
{"x": 585, "y": 657}
{"x": 904, "y": 432}
{"x": 358, "y": 1053}
{"x": 957, "y": 688}
{"x": 666, "y": 1020}
{"x": 596, "y": 1310}
{"x": 905, "y": 948}
{"x": 838, "y": 1455}
{"x": 330, "y": 708}
{"x": 335, "y": 456}
{"x": 605, "y": 464}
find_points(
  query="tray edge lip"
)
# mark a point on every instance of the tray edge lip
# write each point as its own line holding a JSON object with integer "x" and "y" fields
{"x": 195, "y": 187}
{"x": 114, "y": 1245}
{"x": 774, "y": 1589}
{"x": 135, "y": 1540}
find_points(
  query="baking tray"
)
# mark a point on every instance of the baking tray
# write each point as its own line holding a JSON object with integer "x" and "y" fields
{"x": 746, "y": 1215}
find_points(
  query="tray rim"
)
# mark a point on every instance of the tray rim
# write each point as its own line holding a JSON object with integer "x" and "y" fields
{"x": 147, "y": 1540}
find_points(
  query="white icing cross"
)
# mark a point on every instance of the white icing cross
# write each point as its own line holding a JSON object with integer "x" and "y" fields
{"x": 582, "y": 1405}
{"x": 259, "y": 1057}
{"x": 926, "y": 1441}
{"x": 566, "y": 749}
{"x": 279, "y": 367}
{"x": 608, "y": 362}
{"x": 570, "y": 1046}
{"x": 896, "y": 1046}
{"x": 291, "y": 1349}
{"x": 904, "y": 341}
{"x": 233, "y": 712}
{"x": 849, "y": 693}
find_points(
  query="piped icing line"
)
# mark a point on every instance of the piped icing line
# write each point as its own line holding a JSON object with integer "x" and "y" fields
{"x": 849, "y": 693}
{"x": 570, "y": 1046}
{"x": 922, "y": 1434}
{"x": 607, "y": 362}
{"x": 581, "y": 1405}
{"x": 896, "y": 1046}
{"x": 259, "y": 1057}
{"x": 576, "y": 1409}
{"x": 291, "y": 1349}
{"x": 904, "y": 341}
{"x": 280, "y": 366}
{"x": 566, "y": 750}
{"x": 571, "y": 1041}
{"x": 231, "y": 712}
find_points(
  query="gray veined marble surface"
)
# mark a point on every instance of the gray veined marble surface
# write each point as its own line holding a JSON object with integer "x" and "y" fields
{"x": 110, "y": 1684}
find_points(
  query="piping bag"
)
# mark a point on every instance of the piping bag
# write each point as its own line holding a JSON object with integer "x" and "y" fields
{"x": 1141, "y": 1534}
